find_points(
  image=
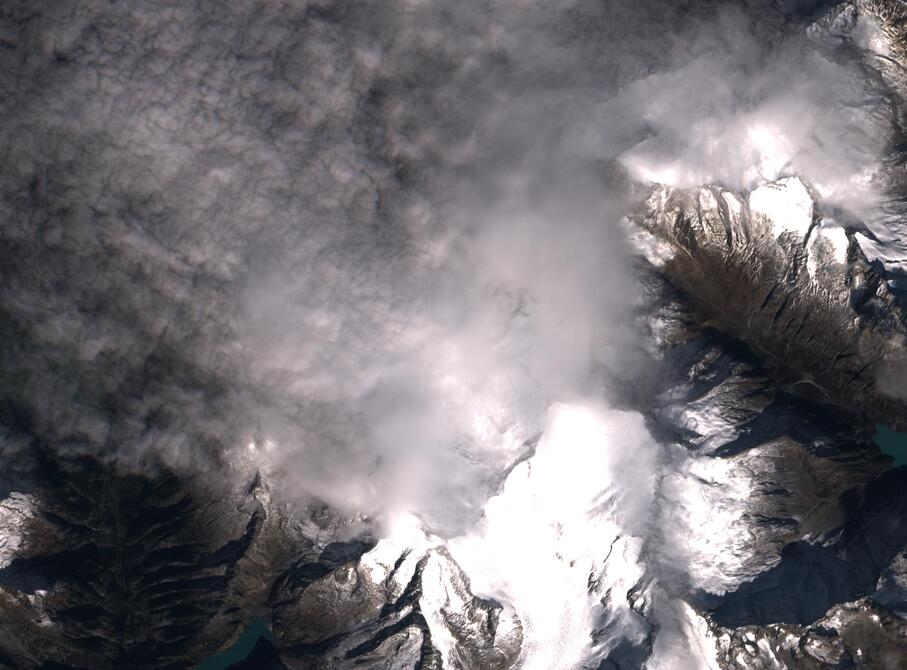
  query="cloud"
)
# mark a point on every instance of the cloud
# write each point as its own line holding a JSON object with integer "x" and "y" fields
{"x": 354, "y": 236}
{"x": 382, "y": 241}
{"x": 365, "y": 247}
{"x": 372, "y": 249}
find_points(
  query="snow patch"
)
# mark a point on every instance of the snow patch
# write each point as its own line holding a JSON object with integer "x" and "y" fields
{"x": 704, "y": 520}
{"x": 404, "y": 536}
{"x": 785, "y": 204}
{"x": 15, "y": 510}
{"x": 827, "y": 246}
{"x": 684, "y": 641}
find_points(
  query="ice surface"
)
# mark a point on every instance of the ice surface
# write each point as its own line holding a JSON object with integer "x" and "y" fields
{"x": 785, "y": 204}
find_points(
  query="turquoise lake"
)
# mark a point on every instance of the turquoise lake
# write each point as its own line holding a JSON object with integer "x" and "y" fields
{"x": 240, "y": 649}
{"x": 892, "y": 443}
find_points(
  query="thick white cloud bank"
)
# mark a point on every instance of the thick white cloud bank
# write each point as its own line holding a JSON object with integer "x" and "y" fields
{"x": 435, "y": 381}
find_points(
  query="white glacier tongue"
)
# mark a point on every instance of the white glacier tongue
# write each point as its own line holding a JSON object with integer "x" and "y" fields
{"x": 546, "y": 535}
{"x": 563, "y": 550}
{"x": 786, "y": 205}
